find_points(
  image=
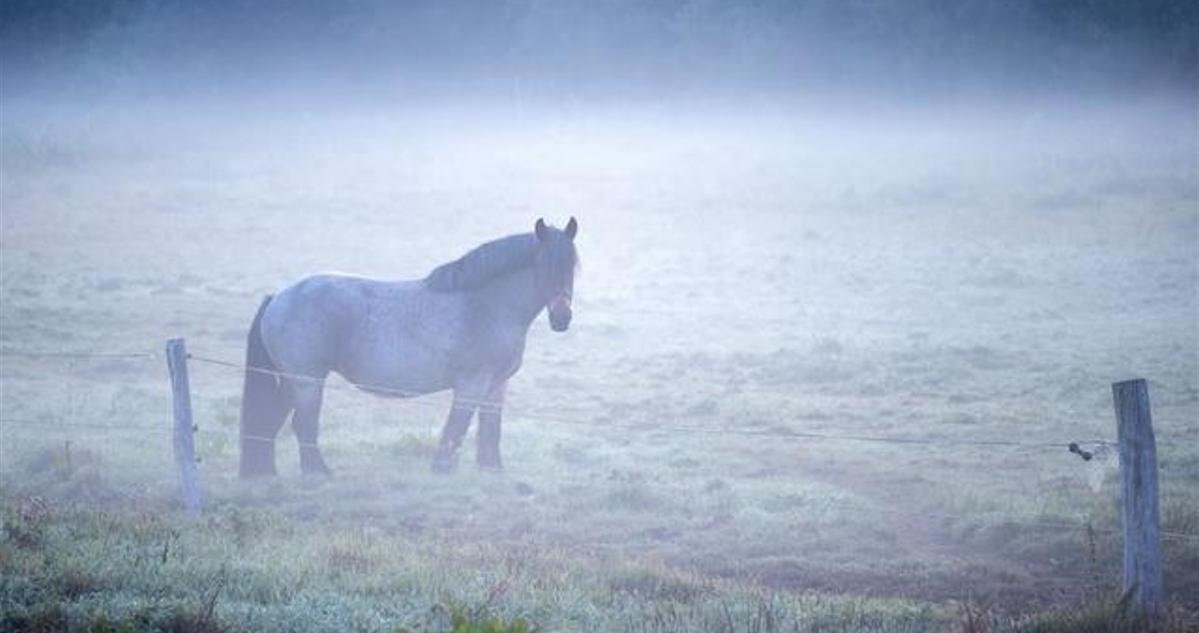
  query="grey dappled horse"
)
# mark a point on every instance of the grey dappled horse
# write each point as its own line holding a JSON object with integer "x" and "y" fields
{"x": 462, "y": 327}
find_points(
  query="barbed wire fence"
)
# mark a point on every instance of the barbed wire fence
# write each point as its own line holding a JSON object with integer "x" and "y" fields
{"x": 71, "y": 424}
{"x": 1073, "y": 446}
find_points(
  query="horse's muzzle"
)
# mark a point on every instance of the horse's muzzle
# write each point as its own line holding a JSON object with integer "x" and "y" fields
{"x": 559, "y": 316}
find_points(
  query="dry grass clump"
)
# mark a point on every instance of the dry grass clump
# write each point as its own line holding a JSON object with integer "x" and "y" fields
{"x": 25, "y": 522}
{"x": 1110, "y": 616}
{"x": 350, "y": 557}
{"x": 53, "y": 619}
{"x": 661, "y": 584}
{"x": 72, "y": 581}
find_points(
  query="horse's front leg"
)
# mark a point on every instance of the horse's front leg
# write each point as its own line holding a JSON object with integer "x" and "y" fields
{"x": 487, "y": 453}
{"x": 466, "y": 398}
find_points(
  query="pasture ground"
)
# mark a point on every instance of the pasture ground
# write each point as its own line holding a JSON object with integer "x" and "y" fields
{"x": 954, "y": 278}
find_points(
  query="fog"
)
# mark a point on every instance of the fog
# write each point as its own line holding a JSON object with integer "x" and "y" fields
{"x": 344, "y": 52}
{"x": 852, "y": 275}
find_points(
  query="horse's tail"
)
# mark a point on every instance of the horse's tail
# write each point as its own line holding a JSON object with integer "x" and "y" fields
{"x": 264, "y": 405}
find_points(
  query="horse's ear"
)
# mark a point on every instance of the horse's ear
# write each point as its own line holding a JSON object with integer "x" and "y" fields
{"x": 572, "y": 228}
{"x": 541, "y": 229}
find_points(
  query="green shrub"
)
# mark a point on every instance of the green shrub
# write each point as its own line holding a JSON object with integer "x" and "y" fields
{"x": 462, "y": 621}
{"x": 466, "y": 624}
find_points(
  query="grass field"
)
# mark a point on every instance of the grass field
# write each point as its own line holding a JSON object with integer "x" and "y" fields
{"x": 961, "y": 277}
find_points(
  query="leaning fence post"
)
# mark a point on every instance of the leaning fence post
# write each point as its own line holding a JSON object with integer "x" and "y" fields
{"x": 1138, "y": 473}
{"x": 185, "y": 448}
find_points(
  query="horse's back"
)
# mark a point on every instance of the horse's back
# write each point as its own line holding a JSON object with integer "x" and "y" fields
{"x": 395, "y": 334}
{"x": 306, "y": 325}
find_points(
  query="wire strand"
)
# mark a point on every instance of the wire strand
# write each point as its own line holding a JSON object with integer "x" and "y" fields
{"x": 469, "y": 403}
{"x": 76, "y": 355}
{"x": 30, "y": 424}
{"x": 459, "y": 401}
{"x": 808, "y": 435}
{"x": 789, "y": 435}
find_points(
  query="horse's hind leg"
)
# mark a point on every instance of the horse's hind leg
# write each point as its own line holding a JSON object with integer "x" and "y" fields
{"x": 487, "y": 454}
{"x": 258, "y": 438}
{"x": 307, "y": 396}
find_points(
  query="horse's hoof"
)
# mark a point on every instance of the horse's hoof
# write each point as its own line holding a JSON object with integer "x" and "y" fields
{"x": 490, "y": 465}
{"x": 444, "y": 466}
{"x": 256, "y": 462}
{"x": 257, "y": 473}
{"x": 313, "y": 481}
{"x": 314, "y": 465}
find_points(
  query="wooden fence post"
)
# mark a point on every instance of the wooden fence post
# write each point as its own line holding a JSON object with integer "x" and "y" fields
{"x": 1138, "y": 472}
{"x": 185, "y": 448}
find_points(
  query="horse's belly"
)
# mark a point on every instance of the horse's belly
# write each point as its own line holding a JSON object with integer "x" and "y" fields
{"x": 413, "y": 374}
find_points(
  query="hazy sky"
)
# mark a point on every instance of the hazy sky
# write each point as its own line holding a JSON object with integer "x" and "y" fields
{"x": 600, "y": 50}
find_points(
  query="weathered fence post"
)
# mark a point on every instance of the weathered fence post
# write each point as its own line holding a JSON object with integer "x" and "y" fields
{"x": 1138, "y": 472}
{"x": 185, "y": 448}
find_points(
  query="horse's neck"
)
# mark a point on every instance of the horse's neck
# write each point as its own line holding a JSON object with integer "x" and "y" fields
{"x": 512, "y": 297}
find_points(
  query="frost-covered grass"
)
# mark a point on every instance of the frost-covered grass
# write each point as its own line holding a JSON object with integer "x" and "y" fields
{"x": 955, "y": 279}
{"x": 264, "y": 572}
{"x": 82, "y": 570}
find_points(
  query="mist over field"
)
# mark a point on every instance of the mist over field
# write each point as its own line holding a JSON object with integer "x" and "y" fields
{"x": 853, "y": 275}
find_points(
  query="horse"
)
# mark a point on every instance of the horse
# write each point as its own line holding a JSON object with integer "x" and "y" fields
{"x": 461, "y": 327}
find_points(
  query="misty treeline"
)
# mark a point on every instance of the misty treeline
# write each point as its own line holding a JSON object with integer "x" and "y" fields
{"x": 592, "y": 48}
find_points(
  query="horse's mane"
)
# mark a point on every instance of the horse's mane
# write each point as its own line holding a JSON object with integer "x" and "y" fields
{"x": 484, "y": 263}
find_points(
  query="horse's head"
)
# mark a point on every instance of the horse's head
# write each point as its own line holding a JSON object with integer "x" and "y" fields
{"x": 555, "y": 265}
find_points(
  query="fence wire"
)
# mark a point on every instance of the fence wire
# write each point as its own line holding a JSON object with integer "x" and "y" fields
{"x": 785, "y": 435}
{"x": 78, "y": 354}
